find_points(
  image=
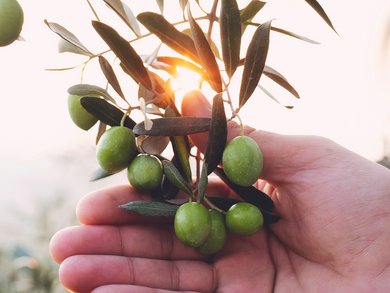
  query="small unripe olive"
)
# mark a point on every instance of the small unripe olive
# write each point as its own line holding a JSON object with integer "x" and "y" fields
{"x": 242, "y": 161}
{"x": 244, "y": 219}
{"x": 217, "y": 237}
{"x": 11, "y": 21}
{"x": 145, "y": 172}
{"x": 192, "y": 224}
{"x": 81, "y": 117}
{"x": 115, "y": 149}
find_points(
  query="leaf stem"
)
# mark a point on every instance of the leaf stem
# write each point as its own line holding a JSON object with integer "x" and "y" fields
{"x": 93, "y": 10}
{"x": 211, "y": 205}
{"x": 212, "y": 16}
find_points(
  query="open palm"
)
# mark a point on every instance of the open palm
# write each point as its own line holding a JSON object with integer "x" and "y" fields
{"x": 333, "y": 236}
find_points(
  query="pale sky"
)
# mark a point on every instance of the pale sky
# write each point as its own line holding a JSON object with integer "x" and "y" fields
{"x": 340, "y": 83}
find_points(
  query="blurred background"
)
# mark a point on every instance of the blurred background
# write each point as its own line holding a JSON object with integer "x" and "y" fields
{"x": 46, "y": 161}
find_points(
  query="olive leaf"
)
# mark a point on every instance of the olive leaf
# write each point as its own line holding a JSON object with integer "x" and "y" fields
{"x": 153, "y": 145}
{"x": 212, "y": 44}
{"x": 180, "y": 146}
{"x": 250, "y": 11}
{"x": 249, "y": 194}
{"x": 280, "y": 80}
{"x": 68, "y": 36}
{"x": 65, "y": 46}
{"x": 206, "y": 55}
{"x": 217, "y": 134}
{"x": 174, "y": 126}
{"x": 254, "y": 62}
{"x": 230, "y": 32}
{"x": 98, "y": 174}
{"x": 174, "y": 176}
{"x": 106, "y": 112}
{"x": 110, "y": 76}
{"x": 321, "y": 12}
{"x": 84, "y": 89}
{"x": 168, "y": 34}
{"x": 294, "y": 35}
{"x": 167, "y": 190}
{"x": 151, "y": 208}
{"x": 160, "y": 4}
{"x": 161, "y": 93}
{"x": 125, "y": 13}
{"x": 101, "y": 130}
{"x": 203, "y": 181}
{"x": 269, "y": 94}
{"x": 129, "y": 58}
{"x": 169, "y": 64}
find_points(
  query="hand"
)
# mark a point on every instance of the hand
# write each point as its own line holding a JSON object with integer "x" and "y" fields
{"x": 333, "y": 236}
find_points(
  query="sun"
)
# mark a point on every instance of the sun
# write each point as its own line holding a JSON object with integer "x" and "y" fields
{"x": 185, "y": 81}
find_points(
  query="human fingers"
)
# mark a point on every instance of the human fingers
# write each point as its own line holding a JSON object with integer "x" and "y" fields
{"x": 283, "y": 154}
{"x": 84, "y": 273}
{"x": 148, "y": 241}
{"x": 134, "y": 289}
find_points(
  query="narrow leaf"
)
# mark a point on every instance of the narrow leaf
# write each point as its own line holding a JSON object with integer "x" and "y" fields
{"x": 173, "y": 175}
{"x": 212, "y": 44}
{"x": 167, "y": 62}
{"x": 181, "y": 147}
{"x": 249, "y": 194}
{"x": 98, "y": 174}
{"x": 217, "y": 134}
{"x": 125, "y": 13}
{"x": 168, "y": 34}
{"x": 84, "y": 89}
{"x": 254, "y": 62}
{"x": 151, "y": 208}
{"x": 125, "y": 52}
{"x": 280, "y": 80}
{"x": 101, "y": 130}
{"x": 67, "y": 36}
{"x": 106, "y": 112}
{"x": 167, "y": 190}
{"x": 269, "y": 94}
{"x": 203, "y": 181}
{"x": 250, "y": 11}
{"x": 65, "y": 46}
{"x": 206, "y": 55}
{"x": 110, "y": 76}
{"x": 153, "y": 145}
{"x": 174, "y": 126}
{"x": 318, "y": 8}
{"x": 294, "y": 35}
{"x": 160, "y": 4}
{"x": 230, "y": 28}
{"x": 161, "y": 93}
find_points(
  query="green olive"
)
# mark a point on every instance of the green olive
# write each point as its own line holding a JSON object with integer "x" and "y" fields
{"x": 11, "y": 21}
{"x": 192, "y": 224}
{"x": 145, "y": 172}
{"x": 81, "y": 117}
{"x": 115, "y": 149}
{"x": 217, "y": 237}
{"x": 242, "y": 161}
{"x": 244, "y": 219}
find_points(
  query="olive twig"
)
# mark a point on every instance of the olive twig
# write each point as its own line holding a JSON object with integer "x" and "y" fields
{"x": 211, "y": 205}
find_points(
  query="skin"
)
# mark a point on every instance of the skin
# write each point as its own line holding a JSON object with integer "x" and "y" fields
{"x": 333, "y": 237}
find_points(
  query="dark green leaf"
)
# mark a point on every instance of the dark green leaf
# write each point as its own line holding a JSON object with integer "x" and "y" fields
{"x": 230, "y": 28}
{"x": 269, "y": 94}
{"x": 203, "y": 181}
{"x": 173, "y": 175}
{"x": 106, "y": 112}
{"x": 166, "y": 191}
{"x": 280, "y": 80}
{"x": 68, "y": 36}
{"x": 84, "y": 89}
{"x": 125, "y": 13}
{"x": 318, "y": 8}
{"x": 254, "y": 62}
{"x": 110, "y": 76}
{"x": 206, "y": 55}
{"x": 174, "y": 126}
{"x": 99, "y": 173}
{"x": 181, "y": 147}
{"x": 250, "y": 11}
{"x": 168, "y": 34}
{"x": 249, "y": 194}
{"x": 151, "y": 208}
{"x": 125, "y": 52}
{"x": 217, "y": 134}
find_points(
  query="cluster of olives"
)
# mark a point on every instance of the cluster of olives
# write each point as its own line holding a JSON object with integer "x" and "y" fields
{"x": 11, "y": 21}
{"x": 205, "y": 229}
{"x": 195, "y": 225}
